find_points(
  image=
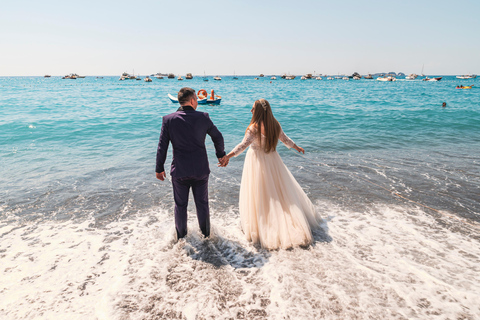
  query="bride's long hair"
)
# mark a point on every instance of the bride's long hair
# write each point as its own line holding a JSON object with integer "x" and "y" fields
{"x": 263, "y": 115}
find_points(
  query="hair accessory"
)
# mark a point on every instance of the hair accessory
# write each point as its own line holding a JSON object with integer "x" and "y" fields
{"x": 264, "y": 105}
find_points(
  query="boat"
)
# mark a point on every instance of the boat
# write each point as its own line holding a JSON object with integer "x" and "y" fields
{"x": 217, "y": 78}
{"x": 273, "y": 78}
{"x": 308, "y": 76}
{"x": 369, "y": 76}
{"x": 432, "y": 79}
{"x": 179, "y": 78}
{"x": 171, "y": 76}
{"x": 203, "y": 97}
{"x": 255, "y": 78}
{"x": 345, "y": 78}
{"x": 175, "y": 99}
{"x": 318, "y": 78}
{"x": 147, "y": 79}
{"x": 73, "y": 76}
{"x": 389, "y": 78}
{"x": 411, "y": 76}
{"x": 464, "y": 87}
{"x": 289, "y": 77}
{"x": 159, "y": 77}
{"x": 47, "y": 76}
{"x": 471, "y": 76}
{"x": 355, "y": 76}
{"x": 303, "y": 78}
{"x": 189, "y": 76}
{"x": 70, "y": 76}
{"x": 330, "y": 78}
{"x": 261, "y": 75}
{"x": 213, "y": 99}
{"x": 234, "y": 76}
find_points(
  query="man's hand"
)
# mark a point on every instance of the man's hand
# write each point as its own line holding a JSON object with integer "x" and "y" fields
{"x": 223, "y": 162}
{"x": 161, "y": 175}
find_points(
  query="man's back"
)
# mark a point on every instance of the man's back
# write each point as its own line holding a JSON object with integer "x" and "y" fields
{"x": 187, "y": 130}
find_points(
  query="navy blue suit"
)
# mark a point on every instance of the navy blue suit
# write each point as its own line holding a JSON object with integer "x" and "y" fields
{"x": 187, "y": 129}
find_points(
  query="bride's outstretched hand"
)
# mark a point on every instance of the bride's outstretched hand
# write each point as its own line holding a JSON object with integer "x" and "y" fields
{"x": 299, "y": 149}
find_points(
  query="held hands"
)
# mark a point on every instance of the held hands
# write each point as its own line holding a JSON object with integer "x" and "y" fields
{"x": 223, "y": 162}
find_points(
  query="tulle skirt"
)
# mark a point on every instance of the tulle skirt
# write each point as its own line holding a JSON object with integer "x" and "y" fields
{"x": 274, "y": 210}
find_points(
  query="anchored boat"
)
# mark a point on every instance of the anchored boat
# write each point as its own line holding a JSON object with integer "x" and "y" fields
{"x": 202, "y": 97}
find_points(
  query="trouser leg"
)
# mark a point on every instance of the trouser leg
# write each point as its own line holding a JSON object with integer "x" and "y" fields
{"x": 180, "y": 195}
{"x": 200, "y": 195}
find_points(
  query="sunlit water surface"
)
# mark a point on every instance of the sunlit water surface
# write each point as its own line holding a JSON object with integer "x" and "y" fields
{"x": 87, "y": 231}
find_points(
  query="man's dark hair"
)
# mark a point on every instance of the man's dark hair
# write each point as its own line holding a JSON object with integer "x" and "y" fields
{"x": 185, "y": 94}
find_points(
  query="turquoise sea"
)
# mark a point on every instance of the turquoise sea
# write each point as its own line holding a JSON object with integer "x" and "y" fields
{"x": 86, "y": 231}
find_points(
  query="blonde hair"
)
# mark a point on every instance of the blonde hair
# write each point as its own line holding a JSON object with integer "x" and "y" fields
{"x": 263, "y": 115}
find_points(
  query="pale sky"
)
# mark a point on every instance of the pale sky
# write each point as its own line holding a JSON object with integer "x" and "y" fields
{"x": 249, "y": 37}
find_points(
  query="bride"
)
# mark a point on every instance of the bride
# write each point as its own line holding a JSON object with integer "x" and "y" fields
{"x": 274, "y": 210}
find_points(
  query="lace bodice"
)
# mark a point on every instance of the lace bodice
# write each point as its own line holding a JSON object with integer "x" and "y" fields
{"x": 250, "y": 139}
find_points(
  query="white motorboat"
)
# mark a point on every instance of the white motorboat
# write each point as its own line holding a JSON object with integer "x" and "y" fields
{"x": 386, "y": 79}
{"x": 467, "y": 76}
{"x": 217, "y": 78}
{"x": 330, "y": 78}
{"x": 273, "y": 78}
{"x": 303, "y": 78}
{"x": 411, "y": 76}
{"x": 318, "y": 78}
{"x": 345, "y": 78}
{"x": 179, "y": 78}
{"x": 147, "y": 79}
{"x": 432, "y": 79}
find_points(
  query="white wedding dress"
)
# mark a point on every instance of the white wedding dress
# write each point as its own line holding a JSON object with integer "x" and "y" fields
{"x": 274, "y": 210}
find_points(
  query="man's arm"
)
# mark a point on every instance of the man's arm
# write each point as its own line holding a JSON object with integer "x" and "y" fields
{"x": 217, "y": 139}
{"x": 162, "y": 150}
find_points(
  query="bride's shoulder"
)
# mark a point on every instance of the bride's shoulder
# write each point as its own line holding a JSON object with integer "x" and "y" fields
{"x": 252, "y": 128}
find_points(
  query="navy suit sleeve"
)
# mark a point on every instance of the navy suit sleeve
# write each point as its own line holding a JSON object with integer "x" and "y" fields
{"x": 162, "y": 147}
{"x": 217, "y": 138}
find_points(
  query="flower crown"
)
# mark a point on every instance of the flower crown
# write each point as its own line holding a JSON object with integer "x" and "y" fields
{"x": 264, "y": 104}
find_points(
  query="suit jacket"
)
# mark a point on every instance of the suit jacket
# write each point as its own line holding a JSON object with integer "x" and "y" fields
{"x": 187, "y": 129}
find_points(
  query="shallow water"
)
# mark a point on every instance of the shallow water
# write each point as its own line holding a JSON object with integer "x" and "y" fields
{"x": 87, "y": 231}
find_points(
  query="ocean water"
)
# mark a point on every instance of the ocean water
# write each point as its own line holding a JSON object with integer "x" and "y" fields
{"x": 87, "y": 232}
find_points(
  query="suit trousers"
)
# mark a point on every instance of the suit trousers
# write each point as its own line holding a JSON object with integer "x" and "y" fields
{"x": 181, "y": 189}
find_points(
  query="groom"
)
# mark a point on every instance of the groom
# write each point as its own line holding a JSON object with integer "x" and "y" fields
{"x": 187, "y": 129}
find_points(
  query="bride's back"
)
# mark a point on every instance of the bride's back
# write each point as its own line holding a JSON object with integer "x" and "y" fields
{"x": 264, "y": 125}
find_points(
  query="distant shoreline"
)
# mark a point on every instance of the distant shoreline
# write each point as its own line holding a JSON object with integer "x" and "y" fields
{"x": 232, "y": 75}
